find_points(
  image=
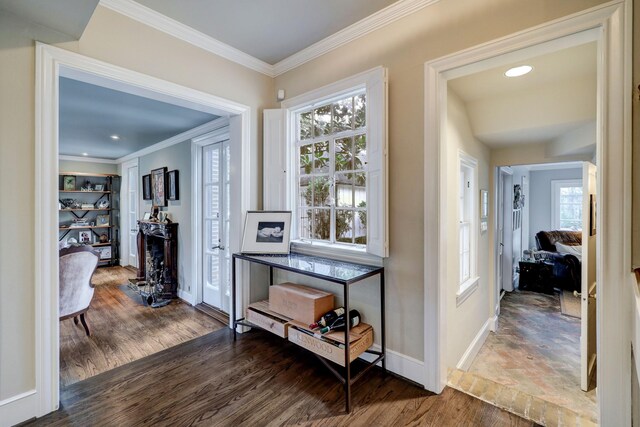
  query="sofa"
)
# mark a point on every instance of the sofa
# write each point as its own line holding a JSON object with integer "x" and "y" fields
{"x": 562, "y": 249}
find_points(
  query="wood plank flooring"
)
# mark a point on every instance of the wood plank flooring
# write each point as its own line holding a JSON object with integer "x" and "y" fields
{"x": 123, "y": 329}
{"x": 259, "y": 380}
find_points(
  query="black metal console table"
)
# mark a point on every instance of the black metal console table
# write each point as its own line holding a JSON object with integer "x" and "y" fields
{"x": 340, "y": 272}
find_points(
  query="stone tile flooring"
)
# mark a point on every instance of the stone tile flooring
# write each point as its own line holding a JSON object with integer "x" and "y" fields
{"x": 536, "y": 351}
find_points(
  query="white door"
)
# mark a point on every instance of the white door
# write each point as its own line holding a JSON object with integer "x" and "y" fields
{"x": 132, "y": 215}
{"x": 507, "y": 231}
{"x": 588, "y": 312}
{"x": 215, "y": 217}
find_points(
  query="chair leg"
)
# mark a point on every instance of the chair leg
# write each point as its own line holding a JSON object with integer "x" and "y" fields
{"x": 75, "y": 320}
{"x": 84, "y": 323}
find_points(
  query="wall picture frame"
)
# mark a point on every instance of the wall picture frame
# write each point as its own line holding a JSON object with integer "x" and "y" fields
{"x": 266, "y": 232}
{"x": 69, "y": 183}
{"x": 173, "y": 185}
{"x": 102, "y": 220}
{"x": 146, "y": 187}
{"x": 159, "y": 187}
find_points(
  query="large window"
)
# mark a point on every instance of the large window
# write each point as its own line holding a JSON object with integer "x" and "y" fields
{"x": 566, "y": 204}
{"x": 334, "y": 178}
{"x": 331, "y": 151}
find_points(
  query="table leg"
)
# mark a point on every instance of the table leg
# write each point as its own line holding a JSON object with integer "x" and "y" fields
{"x": 233, "y": 296}
{"x": 382, "y": 323}
{"x": 347, "y": 353}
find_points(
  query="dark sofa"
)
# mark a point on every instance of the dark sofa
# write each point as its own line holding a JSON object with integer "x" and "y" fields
{"x": 567, "y": 269}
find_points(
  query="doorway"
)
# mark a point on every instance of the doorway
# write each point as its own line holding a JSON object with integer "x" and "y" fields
{"x": 130, "y": 215}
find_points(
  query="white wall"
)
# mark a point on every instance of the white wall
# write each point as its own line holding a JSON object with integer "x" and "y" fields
{"x": 465, "y": 321}
{"x": 540, "y": 207}
{"x": 88, "y": 167}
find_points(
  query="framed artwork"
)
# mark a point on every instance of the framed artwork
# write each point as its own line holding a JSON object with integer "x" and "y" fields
{"x": 146, "y": 187}
{"x": 98, "y": 187}
{"x": 147, "y": 216}
{"x": 85, "y": 237}
{"x": 102, "y": 220}
{"x": 173, "y": 190}
{"x": 69, "y": 183}
{"x": 158, "y": 187}
{"x": 105, "y": 252}
{"x": 266, "y": 232}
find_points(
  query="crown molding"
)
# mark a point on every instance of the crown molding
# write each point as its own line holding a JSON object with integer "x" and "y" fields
{"x": 359, "y": 29}
{"x": 88, "y": 159}
{"x": 183, "y": 32}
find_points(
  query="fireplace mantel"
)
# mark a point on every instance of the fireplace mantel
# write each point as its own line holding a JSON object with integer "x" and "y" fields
{"x": 166, "y": 236}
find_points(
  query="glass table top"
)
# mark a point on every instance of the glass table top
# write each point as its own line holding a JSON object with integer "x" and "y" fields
{"x": 324, "y": 268}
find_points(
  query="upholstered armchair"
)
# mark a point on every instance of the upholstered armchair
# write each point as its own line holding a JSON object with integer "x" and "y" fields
{"x": 567, "y": 269}
{"x": 77, "y": 265}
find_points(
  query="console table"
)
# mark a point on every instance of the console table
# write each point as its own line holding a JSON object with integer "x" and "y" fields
{"x": 339, "y": 272}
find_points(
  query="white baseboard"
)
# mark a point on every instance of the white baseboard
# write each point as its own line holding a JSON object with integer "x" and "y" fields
{"x": 400, "y": 364}
{"x": 185, "y": 296}
{"x": 493, "y": 323}
{"x": 17, "y": 409}
{"x": 474, "y": 347}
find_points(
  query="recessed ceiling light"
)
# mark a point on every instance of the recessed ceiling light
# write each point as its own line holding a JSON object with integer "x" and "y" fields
{"x": 518, "y": 71}
{"x": 85, "y": 154}
{"x": 115, "y": 137}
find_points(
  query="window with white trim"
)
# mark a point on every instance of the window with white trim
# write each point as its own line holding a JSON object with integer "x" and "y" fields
{"x": 566, "y": 204}
{"x": 467, "y": 219}
{"x": 336, "y": 140}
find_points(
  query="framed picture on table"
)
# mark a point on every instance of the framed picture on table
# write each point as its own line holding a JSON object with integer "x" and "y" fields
{"x": 266, "y": 232}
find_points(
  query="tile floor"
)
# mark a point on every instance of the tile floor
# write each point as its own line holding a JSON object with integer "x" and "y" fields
{"x": 536, "y": 350}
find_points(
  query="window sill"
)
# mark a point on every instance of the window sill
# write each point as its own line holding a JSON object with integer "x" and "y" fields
{"x": 466, "y": 289}
{"x": 337, "y": 252}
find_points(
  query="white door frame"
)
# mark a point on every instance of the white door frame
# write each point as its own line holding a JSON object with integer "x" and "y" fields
{"x": 124, "y": 209}
{"x": 498, "y": 191}
{"x": 610, "y": 26}
{"x": 221, "y": 133}
{"x": 51, "y": 63}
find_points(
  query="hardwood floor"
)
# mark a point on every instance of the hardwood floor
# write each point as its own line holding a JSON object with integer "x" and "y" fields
{"x": 123, "y": 329}
{"x": 258, "y": 380}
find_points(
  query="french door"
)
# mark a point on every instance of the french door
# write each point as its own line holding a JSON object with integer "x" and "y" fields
{"x": 131, "y": 193}
{"x": 216, "y": 290}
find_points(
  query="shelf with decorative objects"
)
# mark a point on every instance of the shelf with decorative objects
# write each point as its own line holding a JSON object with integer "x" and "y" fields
{"x": 89, "y": 213}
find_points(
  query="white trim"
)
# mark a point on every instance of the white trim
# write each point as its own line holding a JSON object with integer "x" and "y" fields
{"x": 466, "y": 289}
{"x": 51, "y": 62}
{"x": 18, "y": 408}
{"x": 400, "y": 364}
{"x": 221, "y": 133}
{"x": 359, "y": 256}
{"x": 493, "y": 323}
{"x": 371, "y": 23}
{"x": 88, "y": 159}
{"x": 185, "y": 297}
{"x": 185, "y": 33}
{"x": 607, "y": 22}
{"x": 472, "y": 351}
{"x": 177, "y": 139}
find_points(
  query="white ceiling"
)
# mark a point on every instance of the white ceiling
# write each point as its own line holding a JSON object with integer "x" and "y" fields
{"x": 556, "y": 99}
{"x": 269, "y": 30}
{"x": 66, "y": 16}
{"x": 90, "y": 114}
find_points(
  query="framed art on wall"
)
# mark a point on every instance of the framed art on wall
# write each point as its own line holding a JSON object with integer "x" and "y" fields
{"x": 266, "y": 232}
{"x": 146, "y": 187}
{"x": 158, "y": 187}
{"x": 173, "y": 189}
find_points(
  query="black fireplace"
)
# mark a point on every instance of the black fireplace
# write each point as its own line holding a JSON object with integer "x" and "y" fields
{"x": 158, "y": 250}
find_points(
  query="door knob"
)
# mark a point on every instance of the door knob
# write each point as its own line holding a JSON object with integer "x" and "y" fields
{"x": 218, "y": 247}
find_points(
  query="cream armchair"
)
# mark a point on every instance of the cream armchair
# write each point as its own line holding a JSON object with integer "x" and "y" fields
{"x": 77, "y": 265}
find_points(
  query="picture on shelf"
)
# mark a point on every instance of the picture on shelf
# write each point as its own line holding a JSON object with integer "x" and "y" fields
{"x": 69, "y": 183}
{"x": 102, "y": 220}
{"x": 105, "y": 252}
{"x": 147, "y": 216}
{"x": 158, "y": 187}
{"x": 99, "y": 187}
{"x": 267, "y": 232}
{"x": 85, "y": 237}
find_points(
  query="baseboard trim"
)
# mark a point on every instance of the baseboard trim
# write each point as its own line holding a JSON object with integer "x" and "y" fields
{"x": 493, "y": 323}
{"x": 400, "y": 364}
{"x": 18, "y": 408}
{"x": 185, "y": 296}
{"x": 475, "y": 346}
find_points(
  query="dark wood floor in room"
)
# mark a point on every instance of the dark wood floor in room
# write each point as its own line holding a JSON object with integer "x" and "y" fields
{"x": 258, "y": 380}
{"x": 123, "y": 329}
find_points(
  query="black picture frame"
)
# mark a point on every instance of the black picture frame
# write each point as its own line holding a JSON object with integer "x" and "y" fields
{"x": 146, "y": 187}
{"x": 173, "y": 185}
{"x": 159, "y": 187}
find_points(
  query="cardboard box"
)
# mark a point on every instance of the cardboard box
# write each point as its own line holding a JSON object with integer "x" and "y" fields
{"x": 259, "y": 314}
{"x": 330, "y": 349}
{"x": 299, "y": 302}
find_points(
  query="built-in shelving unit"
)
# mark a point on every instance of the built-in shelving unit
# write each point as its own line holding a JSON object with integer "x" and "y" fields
{"x": 89, "y": 212}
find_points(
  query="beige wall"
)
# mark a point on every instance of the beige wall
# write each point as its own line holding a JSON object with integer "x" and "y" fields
{"x": 118, "y": 40}
{"x": 403, "y": 47}
{"x": 464, "y": 321}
